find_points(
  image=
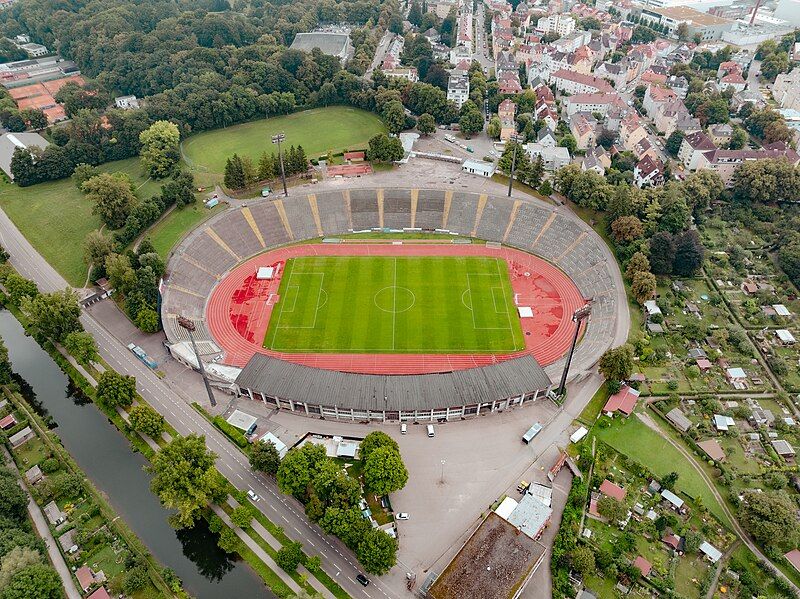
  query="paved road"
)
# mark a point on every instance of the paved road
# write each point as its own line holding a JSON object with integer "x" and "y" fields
{"x": 44, "y": 532}
{"x": 285, "y": 511}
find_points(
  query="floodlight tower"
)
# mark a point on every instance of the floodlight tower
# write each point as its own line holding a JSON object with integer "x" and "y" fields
{"x": 277, "y": 139}
{"x": 578, "y": 316}
{"x": 189, "y": 325}
{"x": 515, "y": 139}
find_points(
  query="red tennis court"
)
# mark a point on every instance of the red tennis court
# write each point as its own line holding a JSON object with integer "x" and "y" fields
{"x": 241, "y": 305}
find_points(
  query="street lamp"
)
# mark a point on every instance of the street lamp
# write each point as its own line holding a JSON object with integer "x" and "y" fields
{"x": 189, "y": 325}
{"x": 514, "y": 139}
{"x": 441, "y": 478}
{"x": 277, "y": 139}
{"x": 578, "y": 316}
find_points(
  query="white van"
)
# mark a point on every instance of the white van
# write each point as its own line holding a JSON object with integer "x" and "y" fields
{"x": 403, "y": 428}
{"x": 532, "y": 432}
{"x": 431, "y": 432}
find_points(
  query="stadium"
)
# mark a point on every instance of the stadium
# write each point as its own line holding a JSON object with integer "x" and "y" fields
{"x": 390, "y": 304}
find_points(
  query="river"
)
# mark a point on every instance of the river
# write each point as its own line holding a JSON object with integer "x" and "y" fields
{"x": 105, "y": 455}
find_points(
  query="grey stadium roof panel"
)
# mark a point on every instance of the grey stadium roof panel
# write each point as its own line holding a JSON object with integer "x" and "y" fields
{"x": 277, "y": 378}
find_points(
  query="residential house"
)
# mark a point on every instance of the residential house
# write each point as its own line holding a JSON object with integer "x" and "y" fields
{"x": 648, "y": 172}
{"x": 507, "y": 112}
{"x": 458, "y": 89}
{"x": 562, "y": 24}
{"x": 679, "y": 420}
{"x": 786, "y": 89}
{"x": 546, "y": 138}
{"x": 642, "y": 565}
{"x": 612, "y": 490}
{"x": 126, "y": 102}
{"x": 624, "y": 401}
{"x": 554, "y": 158}
{"x": 592, "y": 103}
{"x": 644, "y": 148}
{"x": 725, "y": 162}
{"x": 631, "y": 131}
{"x": 582, "y": 126}
{"x": 692, "y": 149}
{"x": 407, "y": 73}
{"x": 678, "y": 84}
{"x": 578, "y": 83}
{"x": 616, "y": 72}
{"x": 733, "y": 81}
{"x": 720, "y": 134}
{"x": 655, "y": 95}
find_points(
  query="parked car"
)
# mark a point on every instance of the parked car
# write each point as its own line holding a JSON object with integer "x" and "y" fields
{"x": 362, "y": 579}
{"x": 401, "y": 516}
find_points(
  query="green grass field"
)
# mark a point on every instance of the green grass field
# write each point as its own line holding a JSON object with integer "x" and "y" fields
{"x": 334, "y": 128}
{"x": 56, "y": 217}
{"x": 395, "y": 305}
{"x": 166, "y": 233}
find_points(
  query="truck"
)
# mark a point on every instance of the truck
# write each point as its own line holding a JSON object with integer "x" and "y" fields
{"x": 142, "y": 355}
{"x": 532, "y": 432}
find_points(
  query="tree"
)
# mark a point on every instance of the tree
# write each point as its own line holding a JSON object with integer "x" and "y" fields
{"x": 373, "y": 441}
{"x": 242, "y": 516}
{"x": 689, "y": 254}
{"x": 82, "y": 173}
{"x": 610, "y": 508}
{"x": 384, "y": 471}
{"x": 674, "y": 142}
{"x": 638, "y": 263}
{"x": 394, "y": 116}
{"x": 494, "y": 127}
{"x": 17, "y": 559}
{"x": 426, "y": 124}
{"x": 693, "y": 540}
{"x": 160, "y": 148}
{"x": 662, "y": 253}
{"x": 23, "y": 167}
{"x": 471, "y": 121}
{"x": 764, "y": 181}
{"x": 65, "y": 485}
{"x": 96, "y": 247}
{"x": 82, "y": 346}
{"x": 185, "y": 478}
{"x": 616, "y": 364}
{"x": 116, "y": 390}
{"x": 120, "y": 274}
{"x": 113, "y": 197}
{"x": 582, "y": 559}
{"x": 643, "y": 286}
{"x": 568, "y": 141}
{"x": 298, "y": 467}
{"x": 771, "y": 518}
{"x": 234, "y": 173}
{"x": 18, "y": 287}
{"x": 626, "y": 229}
{"x": 739, "y": 139}
{"x": 383, "y": 148}
{"x": 145, "y": 419}
{"x": 36, "y": 581}
{"x": 290, "y": 556}
{"x": 55, "y": 315}
{"x": 683, "y": 32}
{"x": 13, "y": 501}
{"x": 147, "y": 320}
{"x": 264, "y": 457}
{"x": 377, "y": 551}
{"x": 179, "y": 190}
{"x": 669, "y": 480}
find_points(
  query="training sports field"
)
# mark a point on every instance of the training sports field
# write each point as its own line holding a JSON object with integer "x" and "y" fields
{"x": 386, "y": 304}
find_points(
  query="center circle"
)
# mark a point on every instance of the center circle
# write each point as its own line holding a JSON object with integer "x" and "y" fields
{"x": 394, "y": 299}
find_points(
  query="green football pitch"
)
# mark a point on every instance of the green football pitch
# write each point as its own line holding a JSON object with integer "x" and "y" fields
{"x": 395, "y": 305}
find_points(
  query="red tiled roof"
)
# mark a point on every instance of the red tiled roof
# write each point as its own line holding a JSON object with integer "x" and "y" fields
{"x": 85, "y": 577}
{"x": 100, "y": 593}
{"x": 600, "y": 84}
{"x": 624, "y": 401}
{"x": 611, "y": 490}
{"x": 643, "y": 565}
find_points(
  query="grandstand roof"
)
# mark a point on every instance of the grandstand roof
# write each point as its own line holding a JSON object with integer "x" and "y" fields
{"x": 286, "y": 380}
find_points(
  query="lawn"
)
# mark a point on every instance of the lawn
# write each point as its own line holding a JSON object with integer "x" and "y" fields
{"x": 395, "y": 305}
{"x": 166, "y": 233}
{"x": 335, "y": 128}
{"x": 56, "y": 217}
{"x": 642, "y": 444}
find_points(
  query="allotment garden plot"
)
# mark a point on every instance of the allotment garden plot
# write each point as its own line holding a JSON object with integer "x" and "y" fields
{"x": 395, "y": 304}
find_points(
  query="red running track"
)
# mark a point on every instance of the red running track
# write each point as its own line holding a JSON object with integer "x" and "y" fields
{"x": 240, "y": 307}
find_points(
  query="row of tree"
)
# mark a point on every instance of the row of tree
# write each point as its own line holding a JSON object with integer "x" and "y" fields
{"x": 331, "y": 495}
{"x": 241, "y": 172}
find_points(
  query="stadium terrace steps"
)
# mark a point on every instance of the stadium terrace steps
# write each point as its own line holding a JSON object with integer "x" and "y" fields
{"x": 198, "y": 264}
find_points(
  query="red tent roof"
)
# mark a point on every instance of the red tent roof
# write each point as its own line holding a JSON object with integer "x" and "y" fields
{"x": 794, "y": 558}
{"x": 643, "y": 565}
{"x": 624, "y": 401}
{"x": 611, "y": 490}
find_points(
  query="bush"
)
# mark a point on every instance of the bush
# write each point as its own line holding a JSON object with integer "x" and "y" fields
{"x": 232, "y": 432}
{"x": 290, "y": 556}
{"x": 50, "y": 465}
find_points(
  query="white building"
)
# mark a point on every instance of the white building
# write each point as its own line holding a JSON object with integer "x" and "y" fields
{"x": 458, "y": 89}
{"x": 562, "y": 24}
{"x": 786, "y": 90}
{"x": 478, "y": 167}
{"x": 407, "y": 73}
{"x": 126, "y": 102}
